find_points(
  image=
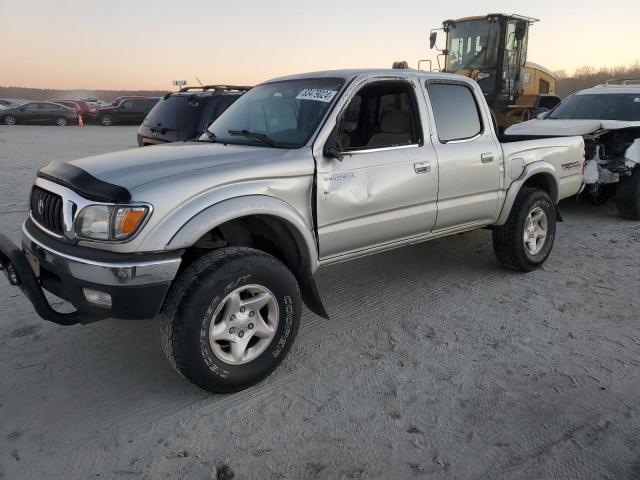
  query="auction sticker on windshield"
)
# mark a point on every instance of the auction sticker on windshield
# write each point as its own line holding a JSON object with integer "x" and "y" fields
{"x": 317, "y": 94}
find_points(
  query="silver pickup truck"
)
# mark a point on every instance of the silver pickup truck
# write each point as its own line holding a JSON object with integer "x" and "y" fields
{"x": 221, "y": 236}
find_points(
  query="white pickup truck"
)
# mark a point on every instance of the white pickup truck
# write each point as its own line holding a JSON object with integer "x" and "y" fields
{"x": 222, "y": 236}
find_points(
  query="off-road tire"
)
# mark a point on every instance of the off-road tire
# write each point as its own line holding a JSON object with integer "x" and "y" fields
{"x": 628, "y": 195}
{"x": 106, "y": 120}
{"x": 508, "y": 243}
{"x": 199, "y": 289}
{"x": 10, "y": 120}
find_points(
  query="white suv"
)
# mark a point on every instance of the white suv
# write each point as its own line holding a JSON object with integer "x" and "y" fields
{"x": 608, "y": 117}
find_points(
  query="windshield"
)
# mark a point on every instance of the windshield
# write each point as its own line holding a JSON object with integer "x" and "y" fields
{"x": 614, "y": 106}
{"x": 279, "y": 114}
{"x": 472, "y": 45}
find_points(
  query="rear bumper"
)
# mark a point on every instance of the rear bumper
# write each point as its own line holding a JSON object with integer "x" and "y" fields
{"x": 135, "y": 283}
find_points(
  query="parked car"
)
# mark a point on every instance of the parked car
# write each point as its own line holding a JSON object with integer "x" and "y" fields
{"x": 128, "y": 111}
{"x": 222, "y": 236}
{"x": 87, "y": 109}
{"x": 608, "y": 116}
{"x": 185, "y": 114}
{"x": 39, "y": 113}
{"x": 125, "y": 97}
{"x": 11, "y": 102}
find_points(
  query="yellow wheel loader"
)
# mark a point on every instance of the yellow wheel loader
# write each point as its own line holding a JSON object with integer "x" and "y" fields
{"x": 493, "y": 51}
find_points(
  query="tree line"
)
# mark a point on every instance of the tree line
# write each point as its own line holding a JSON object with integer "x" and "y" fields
{"x": 587, "y": 77}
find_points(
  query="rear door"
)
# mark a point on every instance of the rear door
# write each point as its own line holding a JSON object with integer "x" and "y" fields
{"x": 469, "y": 155}
{"x": 51, "y": 111}
{"x": 125, "y": 112}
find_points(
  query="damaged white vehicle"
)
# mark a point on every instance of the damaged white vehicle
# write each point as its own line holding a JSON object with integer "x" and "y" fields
{"x": 608, "y": 117}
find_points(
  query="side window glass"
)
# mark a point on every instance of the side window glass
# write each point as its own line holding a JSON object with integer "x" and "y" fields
{"x": 455, "y": 110}
{"x": 382, "y": 114}
{"x": 127, "y": 104}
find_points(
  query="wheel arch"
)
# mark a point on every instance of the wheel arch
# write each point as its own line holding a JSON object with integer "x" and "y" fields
{"x": 258, "y": 221}
{"x": 540, "y": 175}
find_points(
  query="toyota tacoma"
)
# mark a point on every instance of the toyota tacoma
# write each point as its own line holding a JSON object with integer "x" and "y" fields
{"x": 220, "y": 237}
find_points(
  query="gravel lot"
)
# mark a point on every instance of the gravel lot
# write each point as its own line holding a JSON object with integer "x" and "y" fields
{"x": 436, "y": 363}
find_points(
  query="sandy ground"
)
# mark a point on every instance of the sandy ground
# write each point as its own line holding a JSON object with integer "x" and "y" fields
{"x": 437, "y": 363}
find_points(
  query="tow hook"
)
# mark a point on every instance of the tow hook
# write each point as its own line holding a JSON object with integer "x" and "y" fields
{"x": 11, "y": 274}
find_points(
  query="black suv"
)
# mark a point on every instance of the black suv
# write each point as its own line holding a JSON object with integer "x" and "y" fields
{"x": 185, "y": 114}
{"x": 128, "y": 111}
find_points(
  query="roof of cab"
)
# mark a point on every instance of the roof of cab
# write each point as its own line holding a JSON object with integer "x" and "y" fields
{"x": 350, "y": 74}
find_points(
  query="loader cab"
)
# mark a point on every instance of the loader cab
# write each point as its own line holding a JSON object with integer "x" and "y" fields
{"x": 490, "y": 49}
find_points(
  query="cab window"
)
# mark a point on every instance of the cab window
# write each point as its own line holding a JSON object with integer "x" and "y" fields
{"x": 455, "y": 111}
{"x": 382, "y": 114}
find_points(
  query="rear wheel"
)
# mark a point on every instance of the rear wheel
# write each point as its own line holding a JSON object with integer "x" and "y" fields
{"x": 62, "y": 122}
{"x": 628, "y": 196}
{"x": 524, "y": 242}
{"x": 230, "y": 319}
{"x": 10, "y": 120}
{"x": 106, "y": 120}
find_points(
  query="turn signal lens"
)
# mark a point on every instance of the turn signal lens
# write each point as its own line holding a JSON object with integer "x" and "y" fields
{"x": 128, "y": 220}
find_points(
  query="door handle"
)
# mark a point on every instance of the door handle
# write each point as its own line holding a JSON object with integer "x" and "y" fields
{"x": 487, "y": 157}
{"x": 422, "y": 167}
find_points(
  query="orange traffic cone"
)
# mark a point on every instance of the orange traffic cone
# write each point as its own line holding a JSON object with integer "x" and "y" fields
{"x": 80, "y": 122}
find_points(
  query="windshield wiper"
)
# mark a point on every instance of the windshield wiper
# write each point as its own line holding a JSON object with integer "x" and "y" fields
{"x": 212, "y": 137}
{"x": 257, "y": 135}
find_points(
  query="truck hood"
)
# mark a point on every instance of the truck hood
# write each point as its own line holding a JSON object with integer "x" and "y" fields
{"x": 135, "y": 167}
{"x": 565, "y": 128}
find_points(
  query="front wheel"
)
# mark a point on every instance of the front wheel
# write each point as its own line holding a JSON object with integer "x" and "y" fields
{"x": 62, "y": 122}
{"x": 10, "y": 120}
{"x": 106, "y": 120}
{"x": 524, "y": 242}
{"x": 230, "y": 319}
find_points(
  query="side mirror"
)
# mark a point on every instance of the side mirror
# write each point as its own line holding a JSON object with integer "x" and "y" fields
{"x": 330, "y": 149}
{"x": 542, "y": 115}
{"x": 432, "y": 39}
{"x": 332, "y": 152}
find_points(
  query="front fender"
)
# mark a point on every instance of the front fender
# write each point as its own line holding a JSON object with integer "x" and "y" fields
{"x": 227, "y": 210}
{"x": 249, "y": 205}
{"x": 529, "y": 171}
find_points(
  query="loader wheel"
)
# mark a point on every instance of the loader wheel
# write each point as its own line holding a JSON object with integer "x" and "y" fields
{"x": 230, "y": 319}
{"x": 524, "y": 242}
{"x": 628, "y": 196}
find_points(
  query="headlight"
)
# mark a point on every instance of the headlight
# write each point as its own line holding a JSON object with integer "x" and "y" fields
{"x": 110, "y": 222}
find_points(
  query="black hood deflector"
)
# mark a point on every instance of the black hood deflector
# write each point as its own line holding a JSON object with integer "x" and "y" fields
{"x": 83, "y": 183}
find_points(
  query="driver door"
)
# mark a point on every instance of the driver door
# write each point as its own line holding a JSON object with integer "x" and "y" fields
{"x": 385, "y": 188}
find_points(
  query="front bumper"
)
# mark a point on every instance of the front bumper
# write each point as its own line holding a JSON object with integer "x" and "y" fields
{"x": 136, "y": 283}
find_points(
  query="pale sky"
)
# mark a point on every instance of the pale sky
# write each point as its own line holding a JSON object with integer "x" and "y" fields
{"x": 145, "y": 44}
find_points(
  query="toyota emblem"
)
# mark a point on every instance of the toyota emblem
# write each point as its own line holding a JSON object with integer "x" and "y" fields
{"x": 40, "y": 207}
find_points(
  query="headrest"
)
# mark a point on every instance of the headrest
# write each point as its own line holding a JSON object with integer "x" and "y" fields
{"x": 395, "y": 121}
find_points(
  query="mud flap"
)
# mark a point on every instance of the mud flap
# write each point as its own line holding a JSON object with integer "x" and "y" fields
{"x": 558, "y": 215}
{"x": 311, "y": 296}
{"x": 15, "y": 265}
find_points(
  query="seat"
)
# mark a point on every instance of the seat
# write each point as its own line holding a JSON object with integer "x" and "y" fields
{"x": 395, "y": 129}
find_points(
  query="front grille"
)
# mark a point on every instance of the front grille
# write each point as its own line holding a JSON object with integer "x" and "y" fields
{"x": 46, "y": 209}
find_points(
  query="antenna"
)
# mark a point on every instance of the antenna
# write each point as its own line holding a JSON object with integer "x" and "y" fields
{"x": 198, "y": 80}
